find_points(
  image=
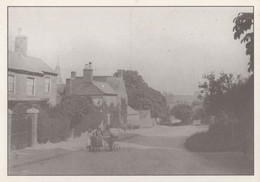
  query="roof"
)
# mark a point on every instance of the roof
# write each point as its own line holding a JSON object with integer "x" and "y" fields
{"x": 116, "y": 83}
{"x": 79, "y": 87}
{"x": 131, "y": 111}
{"x": 144, "y": 113}
{"x": 105, "y": 87}
{"x": 87, "y": 88}
{"x": 20, "y": 62}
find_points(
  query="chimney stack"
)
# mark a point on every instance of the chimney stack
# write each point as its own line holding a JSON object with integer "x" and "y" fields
{"x": 21, "y": 45}
{"x": 68, "y": 85}
{"x": 73, "y": 75}
{"x": 88, "y": 73}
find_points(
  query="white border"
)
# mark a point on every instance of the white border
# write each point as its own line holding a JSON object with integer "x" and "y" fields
{"x": 3, "y": 90}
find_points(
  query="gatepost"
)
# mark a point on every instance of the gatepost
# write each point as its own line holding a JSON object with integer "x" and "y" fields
{"x": 34, "y": 113}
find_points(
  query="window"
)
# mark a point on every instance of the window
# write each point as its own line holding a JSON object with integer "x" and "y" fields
{"x": 11, "y": 83}
{"x": 47, "y": 84}
{"x": 30, "y": 86}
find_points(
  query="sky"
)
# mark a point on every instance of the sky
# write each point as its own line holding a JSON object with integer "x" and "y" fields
{"x": 170, "y": 47}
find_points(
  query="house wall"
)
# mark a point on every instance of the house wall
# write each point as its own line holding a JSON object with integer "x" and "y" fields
{"x": 111, "y": 100}
{"x": 97, "y": 100}
{"x": 133, "y": 120}
{"x": 145, "y": 119}
{"x": 20, "y": 88}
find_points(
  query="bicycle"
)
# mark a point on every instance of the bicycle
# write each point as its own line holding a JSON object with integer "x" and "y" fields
{"x": 116, "y": 146}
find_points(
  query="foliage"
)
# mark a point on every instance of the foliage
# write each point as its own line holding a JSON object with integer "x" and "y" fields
{"x": 123, "y": 110}
{"x": 201, "y": 142}
{"x": 218, "y": 138}
{"x": 217, "y": 91}
{"x": 42, "y": 104}
{"x": 182, "y": 112}
{"x": 143, "y": 97}
{"x": 243, "y": 23}
{"x": 114, "y": 116}
{"x": 198, "y": 112}
{"x": 53, "y": 126}
{"x": 75, "y": 107}
{"x": 231, "y": 101}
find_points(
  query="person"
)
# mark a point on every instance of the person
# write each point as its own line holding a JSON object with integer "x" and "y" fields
{"x": 110, "y": 139}
{"x": 88, "y": 142}
{"x": 93, "y": 142}
{"x": 98, "y": 138}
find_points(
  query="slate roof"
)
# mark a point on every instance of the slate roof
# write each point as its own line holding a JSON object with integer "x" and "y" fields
{"x": 108, "y": 85}
{"x": 131, "y": 111}
{"x": 105, "y": 87}
{"x": 87, "y": 88}
{"x": 117, "y": 84}
{"x": 19, "y": 62}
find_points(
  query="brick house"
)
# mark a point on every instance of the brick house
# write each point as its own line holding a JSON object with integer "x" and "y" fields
{"x": 29, "y": 78}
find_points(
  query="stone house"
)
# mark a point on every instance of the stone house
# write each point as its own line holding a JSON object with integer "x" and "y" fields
{"x": 100, "y": 92}
{"x": 140, "y": 118}
{"x": 29, "y": 78}
{"x": 102, "y": 89}
{"x": 132, "y": 117}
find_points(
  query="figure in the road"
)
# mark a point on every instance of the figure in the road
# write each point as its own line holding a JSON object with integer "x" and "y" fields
{"x": 99, "y": 134}
{"x": 93, "y": 139}
{"x": 109, "y": 136}
{"x": 88, "y": 141}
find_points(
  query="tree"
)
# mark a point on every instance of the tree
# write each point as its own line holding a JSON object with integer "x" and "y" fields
{"x": 243, "y": 23}
{"x": 215, "y": 91}
{"x": 198, "y": 112}
{"x": 182, "y": 112}
{"x": 81, "y": 111}
{"x": 143, "y": 97}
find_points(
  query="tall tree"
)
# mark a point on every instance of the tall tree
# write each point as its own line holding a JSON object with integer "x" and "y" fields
{"x": 243, "y": 26}
{"x": 182, "y": 112}
{"x": 143, "y": 97}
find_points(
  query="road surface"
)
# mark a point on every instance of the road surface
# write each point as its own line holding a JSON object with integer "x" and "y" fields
{"x": 156, "y": 151}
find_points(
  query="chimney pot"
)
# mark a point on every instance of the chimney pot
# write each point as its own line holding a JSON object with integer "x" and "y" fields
{"x": 88, "y": 73}
{"x": 90, "y": 65}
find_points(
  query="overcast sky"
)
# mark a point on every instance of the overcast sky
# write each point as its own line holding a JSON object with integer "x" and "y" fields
{"x": 171, "y": 47}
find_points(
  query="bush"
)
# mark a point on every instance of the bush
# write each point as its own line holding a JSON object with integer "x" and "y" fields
{"x": 217, "y": 138}
{"x": 130, "y": 126}
{"x": 182, "y": 112}
{"x": 52, "y": 126}
{"x": 202, "y": 142}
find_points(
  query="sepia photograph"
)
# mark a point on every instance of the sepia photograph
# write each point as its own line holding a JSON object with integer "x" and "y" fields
{"x": 130, "y": 90}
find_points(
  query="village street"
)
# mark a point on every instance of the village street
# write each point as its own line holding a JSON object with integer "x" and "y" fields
{"x": 155, "y": 151}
